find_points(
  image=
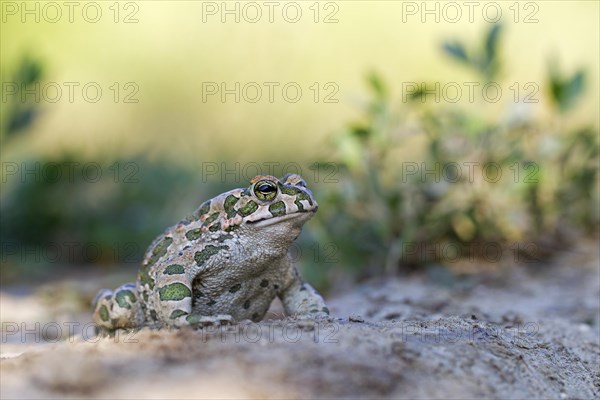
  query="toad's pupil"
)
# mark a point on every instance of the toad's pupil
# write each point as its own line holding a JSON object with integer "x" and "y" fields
{"x": 266, "y": 188}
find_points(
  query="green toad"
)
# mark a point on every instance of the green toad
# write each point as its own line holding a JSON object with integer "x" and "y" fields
{"x": 225, "y": 262}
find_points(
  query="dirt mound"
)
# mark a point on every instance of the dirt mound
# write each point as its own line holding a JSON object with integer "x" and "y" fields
{"x": 509, "y": 336}
{"x": 446, "y": 357}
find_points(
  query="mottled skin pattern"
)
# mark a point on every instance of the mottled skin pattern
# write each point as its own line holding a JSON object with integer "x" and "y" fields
{"x": 225, "y": 262}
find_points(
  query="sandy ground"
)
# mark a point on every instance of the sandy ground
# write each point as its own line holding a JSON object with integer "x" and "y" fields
{"x": 520, "y": 333}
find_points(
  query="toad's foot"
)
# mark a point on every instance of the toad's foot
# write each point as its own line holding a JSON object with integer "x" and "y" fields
{"x": 118, "y": 309}
{"x": 207, "y": 321}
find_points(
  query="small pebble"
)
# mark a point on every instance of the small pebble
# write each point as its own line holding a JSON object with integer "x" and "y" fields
{"x": 355, "y": 318}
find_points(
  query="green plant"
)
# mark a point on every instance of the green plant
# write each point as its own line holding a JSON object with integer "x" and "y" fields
{"x": 19, "y": 111}
{"x": 383, "y": 215}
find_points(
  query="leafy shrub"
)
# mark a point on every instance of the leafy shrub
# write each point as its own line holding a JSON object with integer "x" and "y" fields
{"x": 382, "y": 215}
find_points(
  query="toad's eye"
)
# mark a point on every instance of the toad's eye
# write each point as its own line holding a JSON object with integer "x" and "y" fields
{"x": 265, "y": 190}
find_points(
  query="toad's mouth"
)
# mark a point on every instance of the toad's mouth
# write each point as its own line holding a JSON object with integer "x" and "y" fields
{"x": 274, "y": 220}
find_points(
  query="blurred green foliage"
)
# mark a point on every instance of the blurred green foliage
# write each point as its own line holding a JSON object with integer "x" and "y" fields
{"x": 382, "y": 210}
{"x": 382, "y": 205}
{"x": 17, "y": 114}
{"x": 71, "y": 211}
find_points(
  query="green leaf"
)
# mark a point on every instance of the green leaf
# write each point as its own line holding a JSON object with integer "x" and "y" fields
{"x": 421, "y": 94}
{"x": 19, "y": 115}
{"x": 20, "y": 119}
{"x": 29, "y": 72}
{"x": 456, "y": 50}
{"x": 377, "y": 84}
{"x": 574, "y": 87}
{"x": 566, "y": 91}
{"x": 360, "y": 132}
{"x": 491, "y": 44}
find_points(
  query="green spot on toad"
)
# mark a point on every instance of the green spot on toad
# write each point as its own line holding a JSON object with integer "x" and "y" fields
{"x": 177, "y": 313}
{"x": 193, "y": 234}
{"x": 174, "y": 269}
{"x": 277, "y": 209}
{"x": 228, "y": 204}
{"x": 121, "y": 298}
{"x": 174, "y": 291}
{"x": 248, "y": 209}
{"x": 202, "y": 256}
{"x": 103, "y": 313}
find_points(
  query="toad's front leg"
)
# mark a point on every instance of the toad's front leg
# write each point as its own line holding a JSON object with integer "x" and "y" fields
{"x": 300, "y": 299}
{"x": 173, "y": 300}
